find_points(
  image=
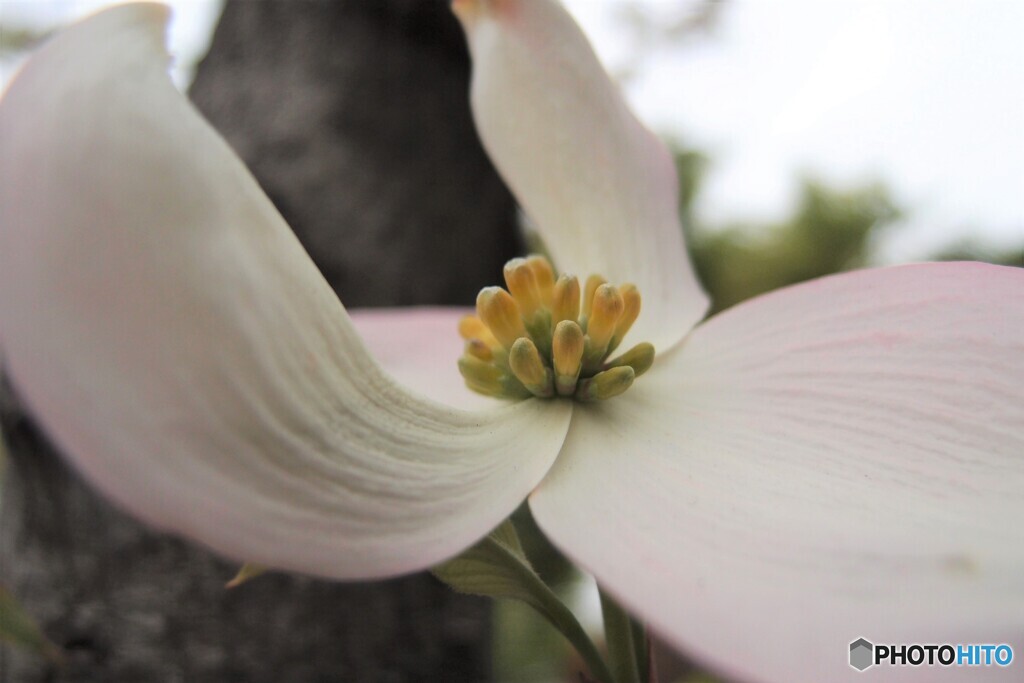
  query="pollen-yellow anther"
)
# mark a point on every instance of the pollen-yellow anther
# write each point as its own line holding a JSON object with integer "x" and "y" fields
{"x": 478, "y": 349}
{"x": 565, "y": 299}
{"x": 477, "y": 369}
{"x": 544, "y": 275}
{"x": 499, "y": 311}
{"x": 604, "y": 316}
{"x": 522, "y": 284}
{"x": 488, "y": 379}
{"x": 630, "y": 311}
{"x": 593, "y": 282}
{"x": 567, "y": 354}
{"x": 472, "y": 327}
{"x": 527, "y": 366}
{"x": 542, "y": 338}
{"x": 640, "y": 358}
{"x": 605, "y": 385}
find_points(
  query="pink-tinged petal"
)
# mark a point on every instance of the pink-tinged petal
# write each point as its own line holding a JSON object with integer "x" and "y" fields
{"x": 601, "y": 189}
{"x": 174, "y": 339}
{"x": 839, "y": 459}
{"x": 420, "y": 348}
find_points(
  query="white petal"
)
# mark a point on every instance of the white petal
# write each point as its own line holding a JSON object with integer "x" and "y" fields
{"x": 600, "y": 187}
{"x": 420, "y": 348}
{"x": 836, "y": 460}
{"x": 168, "y": 330}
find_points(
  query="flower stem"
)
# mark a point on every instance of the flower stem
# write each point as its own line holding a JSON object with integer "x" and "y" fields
{"x": 563, "y": 620}
{"x": 642, "y": 648}
{"x": 623, "y": 650}
{"x": 497, "y": 567}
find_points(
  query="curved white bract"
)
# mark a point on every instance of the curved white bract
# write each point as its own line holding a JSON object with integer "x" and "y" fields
{"x": 174, "y": 339}
{"x": 601, "y": 189}
{"x": 835, "y": 460}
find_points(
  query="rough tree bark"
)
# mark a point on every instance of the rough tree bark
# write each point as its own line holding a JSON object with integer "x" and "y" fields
{"x": 353, "y": 115}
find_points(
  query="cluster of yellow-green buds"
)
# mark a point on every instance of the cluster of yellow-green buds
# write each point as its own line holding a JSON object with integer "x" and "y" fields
{"x": 542, "y": 338}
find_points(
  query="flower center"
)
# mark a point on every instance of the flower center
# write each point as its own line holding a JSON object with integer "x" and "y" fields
{"x": 541, "y": 338}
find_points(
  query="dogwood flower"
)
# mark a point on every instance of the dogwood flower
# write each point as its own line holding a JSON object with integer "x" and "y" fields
{"x": 837, "y": 459}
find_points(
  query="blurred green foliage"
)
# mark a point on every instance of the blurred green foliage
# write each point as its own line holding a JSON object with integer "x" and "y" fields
{"x": 831, "y": 230}
{"x": 14, "y": 39}
{"x": 975, "y": 251}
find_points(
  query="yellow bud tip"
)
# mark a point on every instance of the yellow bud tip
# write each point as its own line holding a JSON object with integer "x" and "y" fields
{"x": 604, "y": 316}
{"x": 565, "y": 299}
{"x": 544, "y": 276}
{"x": 523, "y": 286}
{"x": 478, "y": 349}
{"x": 527, "y": 366}
{"x": 567, "y": 348}
{"x": 480, "y": 371}
{"x": 630, "y": 312}
{"x": 500, "y": 312}
{"x": 249, "y": 571}
{"x": 640, "y": 358}
{"x": 567, "y": 354}
{"x": 605, "y": 385}
{"x": 471, "y": 327}
{"x": 488, "y": 379}
{"x": 593, "y": 282}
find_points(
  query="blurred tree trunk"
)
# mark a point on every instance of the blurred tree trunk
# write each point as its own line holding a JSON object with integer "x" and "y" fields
{"x": 353, "y": 115}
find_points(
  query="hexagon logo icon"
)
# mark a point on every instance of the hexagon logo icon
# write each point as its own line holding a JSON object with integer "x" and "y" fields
{"x": 861, "y": 654}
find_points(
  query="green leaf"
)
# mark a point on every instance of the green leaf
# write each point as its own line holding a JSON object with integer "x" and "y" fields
{"x": 19, "y": 629}
{"x": 496, "y": 567}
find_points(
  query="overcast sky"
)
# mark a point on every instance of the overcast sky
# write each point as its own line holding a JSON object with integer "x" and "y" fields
{"x": 926, "y": 95}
